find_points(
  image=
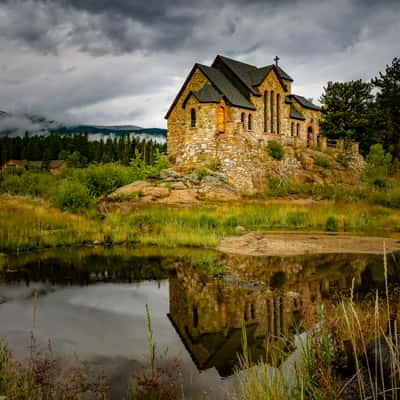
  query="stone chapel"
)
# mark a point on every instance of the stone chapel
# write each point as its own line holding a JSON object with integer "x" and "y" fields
{"x": 225, "y": 112}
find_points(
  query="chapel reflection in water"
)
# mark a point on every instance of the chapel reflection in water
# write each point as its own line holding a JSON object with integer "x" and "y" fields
{"x": 268, "y": 294}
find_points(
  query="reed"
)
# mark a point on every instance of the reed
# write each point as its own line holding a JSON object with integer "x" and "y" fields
{"x": 361, "y": 338}
{"x": 27, "y": 224}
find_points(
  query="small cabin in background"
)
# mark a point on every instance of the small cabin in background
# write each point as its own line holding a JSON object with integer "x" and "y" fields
{"x": 53, "y": 166}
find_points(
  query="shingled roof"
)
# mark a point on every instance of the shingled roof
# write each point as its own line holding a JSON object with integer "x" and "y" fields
{"x": 207, "y": 94}
{"x": 226, "y": 87}
{"x": 304, "y": 102}
{"x": 234, "y": 80}
{"x": 295, "y": 113}
{"x": 241, "y": 70}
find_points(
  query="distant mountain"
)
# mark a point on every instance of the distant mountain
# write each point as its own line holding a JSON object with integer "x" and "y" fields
{"x": 18, "y": 124}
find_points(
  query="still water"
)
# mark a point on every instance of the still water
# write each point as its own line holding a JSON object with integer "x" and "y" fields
{"x": 91, "y": 302}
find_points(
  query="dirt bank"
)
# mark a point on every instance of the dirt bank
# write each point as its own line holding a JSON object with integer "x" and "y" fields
{"x": 277, "y": 244}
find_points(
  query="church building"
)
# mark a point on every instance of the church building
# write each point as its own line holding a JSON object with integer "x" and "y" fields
{"x": 231, "y": 107}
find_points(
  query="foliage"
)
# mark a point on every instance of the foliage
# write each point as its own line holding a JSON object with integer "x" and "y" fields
{"x": 331, "y": 224}
{"x": 27, "y": 183}
{"x": 388, "y": 106}
{"x": 201, "y": 172}
{"x": 346, "y": 111}
{"x": 352, "y": 111}
{"x": 378, "y": 165}
{"x": 103, "y": 179}
{"x": 77, "y": 149}
{"x": 76, "y": 160}
{"x": 41, "y": 377}
{"x": 158, "y": 383}
{"x": 275, "y": 150}
{"x": 140, "y": 170}
{"x": 322, "y": 162}
{"x": 70, "y": 195}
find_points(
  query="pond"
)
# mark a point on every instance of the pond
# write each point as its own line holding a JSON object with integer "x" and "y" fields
{"x": 91, "y": 302}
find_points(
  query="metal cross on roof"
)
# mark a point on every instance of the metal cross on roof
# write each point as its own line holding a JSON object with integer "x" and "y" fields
{"x": 276, "y": 59}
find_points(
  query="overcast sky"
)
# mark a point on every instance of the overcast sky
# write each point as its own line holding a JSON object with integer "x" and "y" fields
{"x": 123, "y": 61}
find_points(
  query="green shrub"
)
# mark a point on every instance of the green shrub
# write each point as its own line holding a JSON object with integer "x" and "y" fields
{"x": 27, "y": 183}
{"x": 378, "y": 165}
{"x": 322, "y": 162}
{"x": 103, "y": 179}
{"x": 202, "y": 172}
{"x": 141, "y": 170}
{"x": 70, "y": 195}
{"x": 331, "y": 224}
{"x": 296, "y": 218}
{"x": 275, "y": 150}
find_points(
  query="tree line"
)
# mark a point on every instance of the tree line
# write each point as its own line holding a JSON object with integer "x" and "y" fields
{"x": 77, "y": 149}
{"x": 366, "y": 112}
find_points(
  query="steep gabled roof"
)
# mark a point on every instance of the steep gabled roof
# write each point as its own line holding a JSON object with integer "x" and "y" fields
{"x": 283, "y": 74}
{"x": 235, "y": 81}
{"x": 258, "y": 75}
{"x": 250, "y": 75}
{"x": 304, "y": 102}
{"x": 207, "y": 94}
{"x": 225, "y": 86}
{"x": 295, "y": 113}
{"x": 241, "y": 70}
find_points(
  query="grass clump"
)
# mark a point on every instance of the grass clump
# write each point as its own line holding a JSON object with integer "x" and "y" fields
{"x": 275, "y": 150}
{"x": 202, "y": 172}
{"x": 331, "y": 224}
{"x": 41, "y": 377}
{"x": 322, "y": 162}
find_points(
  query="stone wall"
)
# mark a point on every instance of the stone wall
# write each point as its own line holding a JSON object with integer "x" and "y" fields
{"x": 239, "y": 150}
{"x": 271, "y": 84}
{"x": 178, "y": 120}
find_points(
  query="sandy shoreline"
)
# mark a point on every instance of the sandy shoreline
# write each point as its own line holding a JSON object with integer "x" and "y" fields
{"x": 281, "y": 244}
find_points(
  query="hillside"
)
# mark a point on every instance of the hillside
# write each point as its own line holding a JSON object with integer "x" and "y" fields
{"x": 18, "y": 124}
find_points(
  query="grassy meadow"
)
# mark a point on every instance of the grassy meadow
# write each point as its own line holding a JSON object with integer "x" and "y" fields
{"x": 28, "y": 224}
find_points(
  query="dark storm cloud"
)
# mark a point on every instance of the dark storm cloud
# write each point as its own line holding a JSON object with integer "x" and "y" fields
{"x": 124, "y": 26}
{"x": 124, "y": 60}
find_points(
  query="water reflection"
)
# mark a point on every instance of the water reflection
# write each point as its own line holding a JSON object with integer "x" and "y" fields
{"x": 269, "y": 295}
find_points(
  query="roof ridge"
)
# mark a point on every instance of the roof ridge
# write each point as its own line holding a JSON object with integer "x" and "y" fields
{"x": 237, "y": 61}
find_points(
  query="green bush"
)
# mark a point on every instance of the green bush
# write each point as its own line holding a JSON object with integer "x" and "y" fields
{"x": 378, "y": 165}
{"x": 322, "y": 162}
{"x": 141, "y": 170}
{"x": 331, "y": 224}
{"x": 70, "y": 195}
{"x": 201, "y": 172}
{"x": 297, "y": 218}
{"x": 103, "y": 179}
{"x": 27, "y": 183}
{"x": 275, "y": 150}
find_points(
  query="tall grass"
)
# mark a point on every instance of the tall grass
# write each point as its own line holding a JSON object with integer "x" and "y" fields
{"x": 351, "y": 351}
{"x": 27, "y": 224}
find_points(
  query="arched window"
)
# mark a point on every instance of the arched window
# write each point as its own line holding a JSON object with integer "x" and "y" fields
{"x": 250, "y": 123}
{"x": 192, "y": 117}
{"x": 271, "y": 108}
{"x": 278, "y": 110}
{"x": 292, "y": 129}
{"x": 265, "y": 111}
{"x": 195, "y": 317}
{"x": 242, "y": 119}
{"x": 298, "y": 130}
{"x": 310, "y": 136}
{"x": 220, "y": 119}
